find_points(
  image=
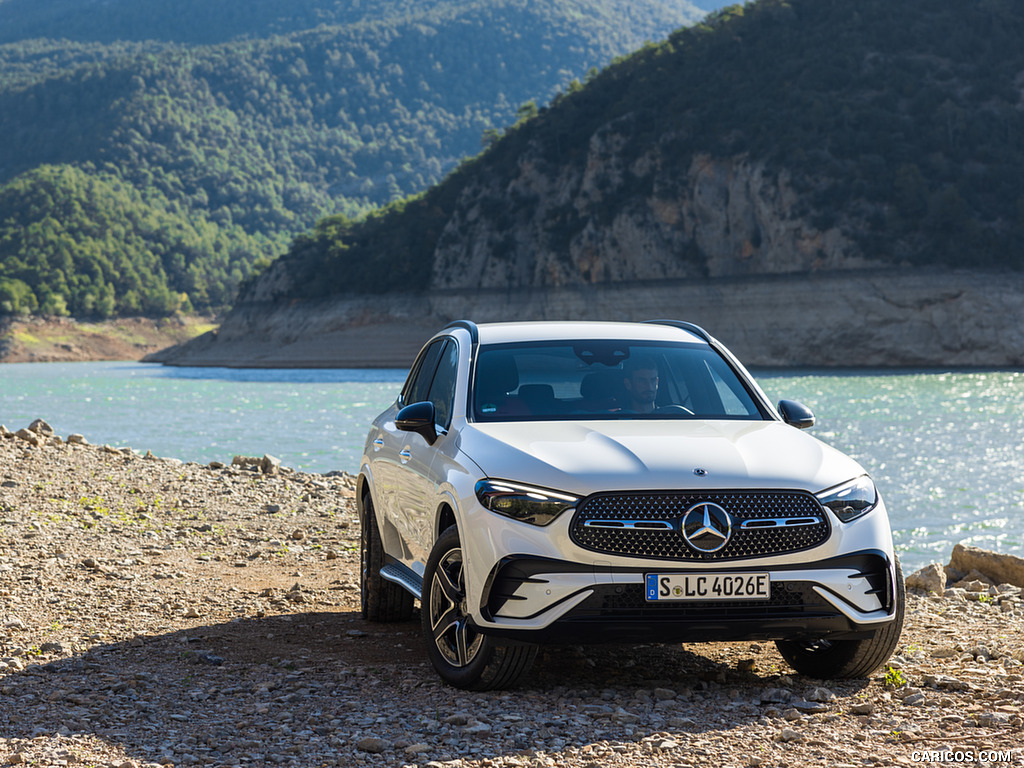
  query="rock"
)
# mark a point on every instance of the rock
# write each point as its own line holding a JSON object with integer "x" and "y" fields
{"x": 664, "y": 694}
{"x": 788, "y": 735}
{"x": 776, "y": 696}
{"x": 809, "y": 706}
{"x": 974, "y": 585}
{"x": 983, "y": 652}
{"x": 945, "y": 682}
{"x": 914, "y": 700}
{"x": 40, "y": 427}
{"x": 416, "y": 749}
{"x": 372, "y": 744}
{"x": 820, "y": 694}
{"x": 931, "y": 578}
{"x": 76, "y": 439}
{"x": 863, "y": 708}
{"x": 29, "y": 437}
{"x": 997, "y": 567}
{"x": 297, "y": 535}
{"x": 664, "y": 744}
{"x": 270, "y": 465}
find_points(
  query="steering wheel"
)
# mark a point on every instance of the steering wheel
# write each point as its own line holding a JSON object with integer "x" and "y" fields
{"x": 673, "y": 409}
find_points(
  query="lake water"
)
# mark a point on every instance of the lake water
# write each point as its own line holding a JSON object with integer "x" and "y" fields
{"x": 946, "y": 449}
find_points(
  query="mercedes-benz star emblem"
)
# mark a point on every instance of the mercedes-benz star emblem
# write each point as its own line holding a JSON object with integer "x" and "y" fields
{"x": 707, "y": 527}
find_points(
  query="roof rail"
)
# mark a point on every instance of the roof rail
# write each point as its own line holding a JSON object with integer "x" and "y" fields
{"x": 683, "y": 325}
{"x": 469, "y": 325}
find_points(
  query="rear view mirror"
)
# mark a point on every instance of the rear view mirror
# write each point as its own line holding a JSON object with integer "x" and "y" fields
{"x": 418, "y": 418}
{"x": 796, "y": 414}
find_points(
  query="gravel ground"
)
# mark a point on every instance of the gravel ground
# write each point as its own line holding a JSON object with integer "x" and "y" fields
{"x": 154, "y": 612}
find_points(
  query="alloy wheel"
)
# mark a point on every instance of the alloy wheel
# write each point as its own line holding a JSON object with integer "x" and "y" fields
{"x": 456, "y": 640}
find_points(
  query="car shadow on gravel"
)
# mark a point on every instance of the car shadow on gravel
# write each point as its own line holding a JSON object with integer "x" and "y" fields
{"x": 306, "y": 688}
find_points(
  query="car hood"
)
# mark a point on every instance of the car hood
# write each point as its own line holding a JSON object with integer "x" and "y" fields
{"x": 587, "y": 457}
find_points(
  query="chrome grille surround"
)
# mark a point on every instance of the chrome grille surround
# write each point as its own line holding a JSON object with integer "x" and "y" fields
{"x": 765, "y": 522}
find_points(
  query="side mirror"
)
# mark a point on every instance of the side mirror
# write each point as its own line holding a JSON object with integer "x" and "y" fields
{"x": 418, "y": 418}
{"x": 796, "y": 414}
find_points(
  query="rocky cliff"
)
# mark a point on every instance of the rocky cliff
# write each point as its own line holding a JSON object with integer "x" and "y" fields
{"x": 555, "y": 226}
{"x": 848, "y": 320}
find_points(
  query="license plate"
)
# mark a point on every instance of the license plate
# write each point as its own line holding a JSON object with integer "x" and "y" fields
{"x": 708, "y": 586}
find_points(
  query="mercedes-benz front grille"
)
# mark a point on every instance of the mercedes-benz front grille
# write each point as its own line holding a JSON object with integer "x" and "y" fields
{"x": 651, "y": 525}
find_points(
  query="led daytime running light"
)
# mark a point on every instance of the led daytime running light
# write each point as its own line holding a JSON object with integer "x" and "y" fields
{"x": 527, "y": 504}
{"x": 851, "y": 500}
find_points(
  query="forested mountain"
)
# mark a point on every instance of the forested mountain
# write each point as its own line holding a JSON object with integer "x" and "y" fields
{"x": 215, "y": 21}
{"x": 234, "y": 125}
{"x": 780, "y": 136}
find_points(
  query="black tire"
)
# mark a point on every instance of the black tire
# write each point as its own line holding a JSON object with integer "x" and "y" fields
{"x": 836, "y": 659}
{"x": 381, "y": 600}
{"x": 462, "y": 656}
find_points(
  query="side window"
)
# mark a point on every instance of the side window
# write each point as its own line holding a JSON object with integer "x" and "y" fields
{"x": 418, "y": 385}
{"x": 442, "y": 391}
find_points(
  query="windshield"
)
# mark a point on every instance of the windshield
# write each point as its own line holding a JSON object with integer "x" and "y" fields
{"x": 607, "y": 380}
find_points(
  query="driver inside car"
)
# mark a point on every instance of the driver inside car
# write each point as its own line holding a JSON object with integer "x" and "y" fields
{"x": 641, "y": 384}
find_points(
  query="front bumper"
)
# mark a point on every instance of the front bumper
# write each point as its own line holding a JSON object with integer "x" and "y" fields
{"x": 543, "y": 600}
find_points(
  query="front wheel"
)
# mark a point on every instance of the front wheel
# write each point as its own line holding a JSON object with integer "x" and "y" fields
{"x": 462, "y": 656}
{"x": 829, "y": 659}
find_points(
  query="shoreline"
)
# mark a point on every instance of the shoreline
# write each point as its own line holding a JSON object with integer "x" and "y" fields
{"x": 159, "y": 612}
{"x": 39, "y": 339}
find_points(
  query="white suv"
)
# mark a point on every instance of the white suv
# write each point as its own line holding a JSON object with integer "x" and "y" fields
{"x": 587, "y": 482}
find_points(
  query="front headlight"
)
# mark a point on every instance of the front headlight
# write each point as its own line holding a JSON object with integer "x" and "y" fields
{"x": 524, "y": 503}
{"x": 850, "y": 500}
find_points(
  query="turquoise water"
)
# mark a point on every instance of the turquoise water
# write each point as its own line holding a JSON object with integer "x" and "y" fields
{"x": 311, "y": 420}
{"x": 944, "y": 448}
